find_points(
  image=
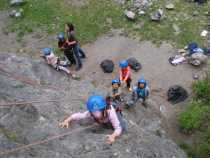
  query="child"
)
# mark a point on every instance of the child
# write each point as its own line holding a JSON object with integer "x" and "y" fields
{"x": 100, "y": 112}
{"x": 125, "y": 74}
{"x": 55, "y": 62}
{"x": 140, "y": 93}
{"x": 115, "y": 91}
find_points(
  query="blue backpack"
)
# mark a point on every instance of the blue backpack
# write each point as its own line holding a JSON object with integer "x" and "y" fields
{"x": 191, "y": 47}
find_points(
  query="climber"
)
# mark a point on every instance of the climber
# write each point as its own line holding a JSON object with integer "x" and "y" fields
{"x": 102, "y": 113}
{"x": 115, "y": 91}
{"x": 55, "y": 62}
{"x": 125, "y": 74}
{"x": 140, "y": 93}
{"x": 63, "y": 45}
{"x": 69, "y": 29}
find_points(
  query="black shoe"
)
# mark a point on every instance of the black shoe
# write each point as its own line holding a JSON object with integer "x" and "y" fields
{"x": 78, "y": 68}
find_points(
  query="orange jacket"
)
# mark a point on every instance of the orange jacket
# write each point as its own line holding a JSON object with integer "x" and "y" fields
{"x": 125, "y": 73}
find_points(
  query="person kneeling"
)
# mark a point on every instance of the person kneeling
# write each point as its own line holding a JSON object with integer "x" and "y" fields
{"x": 115, "y": 92}
{"x": 139, "y": 93}
{"x": 100, "y": 112}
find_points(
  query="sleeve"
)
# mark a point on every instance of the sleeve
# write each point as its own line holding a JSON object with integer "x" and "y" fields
{"x": 119, "y": 91}
{"x": 48, "y": 60}
{"x": 121, "y": 77}
{"x": 115, "y": 121}
{"x": 147, "y": 91}
{"x": 110, "y": 92}
{"x": 134, "y": 93}
{"x": 128, "y": 74}
{"x": 80, "y": 116}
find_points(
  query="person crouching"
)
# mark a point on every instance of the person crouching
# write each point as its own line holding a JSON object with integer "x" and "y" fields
{"x": 139, "y": 93}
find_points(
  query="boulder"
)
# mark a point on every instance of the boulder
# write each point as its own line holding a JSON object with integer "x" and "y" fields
{"x": 130, "y": 15}
{"x": 16, "y": 2}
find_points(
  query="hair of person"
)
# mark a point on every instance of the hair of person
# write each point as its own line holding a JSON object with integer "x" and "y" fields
{"x": 70, "y": 26}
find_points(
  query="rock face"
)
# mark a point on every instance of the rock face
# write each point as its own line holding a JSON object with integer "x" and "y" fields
{"x": 25, "y": 124}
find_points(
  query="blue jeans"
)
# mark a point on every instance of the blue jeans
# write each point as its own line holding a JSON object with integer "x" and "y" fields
{"x": 77, "y": 56}
{"x": 81, "y": 52}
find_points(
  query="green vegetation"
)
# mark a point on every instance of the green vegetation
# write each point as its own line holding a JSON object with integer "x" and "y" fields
{"x": 3, "y": 4}
{"x": 196, "y": 120}
{"x": 9, "y": 134}
{"x": 49, "y": 16}
{"x": 98, "y": 16}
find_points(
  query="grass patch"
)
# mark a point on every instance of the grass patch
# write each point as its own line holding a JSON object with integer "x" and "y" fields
{"x": 182, "y": 16}
{"x": 50, "y": 16}
{"x": 12, "y": 136}
{"x": 3, "y": 4}
{"x": 99, "y": 16}
{"x": 196, "y": 120}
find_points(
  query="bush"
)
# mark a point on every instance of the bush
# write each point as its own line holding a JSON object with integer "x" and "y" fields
{"x": 202, "y": 90}
{"x": 193, "y": 117}
{"x": 196, "y": 120}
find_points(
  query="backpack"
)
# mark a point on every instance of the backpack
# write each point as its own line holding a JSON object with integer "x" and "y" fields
{"x": 107, "y": 66}
{"x": 134, "y": 64}
{"x": 177, "y": 94}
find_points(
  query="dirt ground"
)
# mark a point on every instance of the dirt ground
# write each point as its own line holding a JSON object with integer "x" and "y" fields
{"x": 156, "y": 70}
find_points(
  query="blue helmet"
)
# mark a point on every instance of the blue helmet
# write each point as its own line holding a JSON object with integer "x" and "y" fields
{"x": 116, "y": 81}
{"x": 46, "y": 51}
{"x": 123, "y": 63}
{"x": 61, "y": 36}
{"x": 143, "y": 81}
{"x": 95, "y": 103}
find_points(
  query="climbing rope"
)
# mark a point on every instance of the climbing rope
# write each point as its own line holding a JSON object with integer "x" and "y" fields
{"x": 14, "y": 150}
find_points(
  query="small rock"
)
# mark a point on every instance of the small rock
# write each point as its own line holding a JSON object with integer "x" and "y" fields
{"x": 21, "y": 50}
{"x": 170, "y": 6}
{"x": 141, "y": 12}
{"x": 16, "y": 14}
{"x": 12, "y": 13}
{"x": 195, "y": 13}
{"x": 176, "y": 29}
{"x": 16, "y": 2}
{"x": 130, "y": 15}
{"x": 208, "y": 27}
{"x": 195, "y": 77}
{"x": 204, "y": 33}
{"x": 137, "y": 5}
{"x": 157, "y": 16}
{"x": 162, "y": 109}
